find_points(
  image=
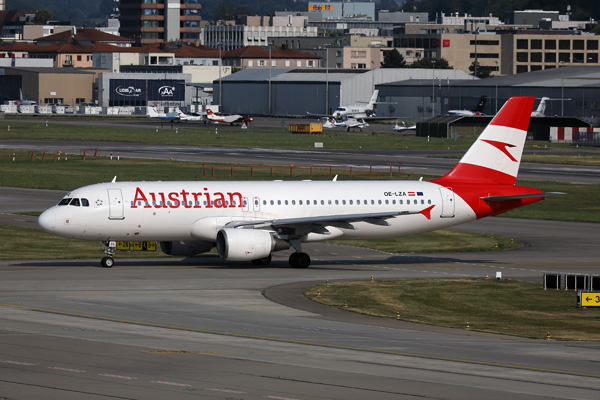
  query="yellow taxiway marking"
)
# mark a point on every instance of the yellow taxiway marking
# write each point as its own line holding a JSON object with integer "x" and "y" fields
{"x": 302, "y": 342}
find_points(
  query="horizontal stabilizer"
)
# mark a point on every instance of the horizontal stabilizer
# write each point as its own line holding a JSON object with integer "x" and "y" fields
{"x": 519, "y": 196}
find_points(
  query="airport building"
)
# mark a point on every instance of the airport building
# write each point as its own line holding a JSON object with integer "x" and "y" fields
{"x": 294, "y": 92}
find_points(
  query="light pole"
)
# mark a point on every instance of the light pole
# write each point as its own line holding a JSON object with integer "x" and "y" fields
{"x": 433, "y": 88}
{"x": 270, "y": 46}
{"x": 220, "y": 87}
{"x": 327, "y": 78}
{"x": 510, "y": 65}
{"x": 373, "y": 76}
{"x": 562, "y": 89}
{"x": 496, "y": 80}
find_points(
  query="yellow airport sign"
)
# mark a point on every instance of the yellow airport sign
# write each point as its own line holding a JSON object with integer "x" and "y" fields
{"x": 122, "y": 245}
{"x": 137, "y": 246}
{"x": 590, "y": 299}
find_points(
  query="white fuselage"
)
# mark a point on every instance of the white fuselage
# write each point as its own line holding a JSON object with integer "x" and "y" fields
{"x": 170, "y": 211}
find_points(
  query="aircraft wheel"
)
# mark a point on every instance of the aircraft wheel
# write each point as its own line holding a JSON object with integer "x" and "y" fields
{"x": 262, "y": 261}
{"x": 107, "y": 262}
{"x": 299, "y": 260}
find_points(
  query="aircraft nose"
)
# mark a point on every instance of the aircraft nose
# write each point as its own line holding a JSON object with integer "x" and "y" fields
{"x": 47, "y": 221}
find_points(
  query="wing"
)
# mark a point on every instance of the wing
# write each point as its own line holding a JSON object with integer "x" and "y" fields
{"x": 297, "y": 227}
{"x": 319, "y": 115}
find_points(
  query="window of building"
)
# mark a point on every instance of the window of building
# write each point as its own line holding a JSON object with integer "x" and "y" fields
{"x": 89, "y": 58}
{"x": 564, "y": 57}
{"x": 536, "y": 44}
{"x": 578, "y": 58}
{"x": 261, "y": 63}
{"x": 550, "y": 57}
{"x": 592, "y": 58}
{"x": 521, "y": 68}
{"x": 550, "y": 44}
{"x": 592, "y": 45}
{"x": 536, "y": 57}
{"x": 79, "y": 57}
{"x": 522, "y": 44}
{"x": 287, "y": 63}
{"x": 249, "y": 63}
{"x": 299, "y": 64}
{"x": 309, "y": 64}
{"x": 52, "y": 100}
{"x": 522, "y": 57}
{"x": 564, "y": 45}
{"x": 79, "y": 100}
{"x": 578, "y": 45}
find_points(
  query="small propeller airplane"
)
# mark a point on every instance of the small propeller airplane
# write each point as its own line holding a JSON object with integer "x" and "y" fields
{"x": 349, "y": 123}
{"x": 218, "y": 118}
{"x": 185, "y": 117}
{"x": 403, "y": 127}
{"x": 152, "y": 113}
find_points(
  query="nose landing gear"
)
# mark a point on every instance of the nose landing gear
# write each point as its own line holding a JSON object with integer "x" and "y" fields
{"x": 108, "y": 261}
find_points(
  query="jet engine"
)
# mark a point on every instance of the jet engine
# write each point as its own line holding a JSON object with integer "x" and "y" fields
{"x": 247, "y": 244}
{"x": 186, "y": 248}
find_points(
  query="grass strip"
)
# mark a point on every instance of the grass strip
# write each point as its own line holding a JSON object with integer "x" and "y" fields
{"x": 439, "y": 241}
{"x": 18, "y": 243}
{"x": 503, "y": 307}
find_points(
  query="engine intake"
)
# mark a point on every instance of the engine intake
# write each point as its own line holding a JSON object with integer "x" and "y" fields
{"x": 247, "y": 244}
{"x": 186, "y": 248}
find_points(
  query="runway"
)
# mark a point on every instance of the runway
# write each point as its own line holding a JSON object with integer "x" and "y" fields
{"x": 206, "y": 328}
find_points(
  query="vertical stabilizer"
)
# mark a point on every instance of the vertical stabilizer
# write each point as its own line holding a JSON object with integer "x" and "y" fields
{"x": 496, "y": 154}
{"x": 373, "y": 98}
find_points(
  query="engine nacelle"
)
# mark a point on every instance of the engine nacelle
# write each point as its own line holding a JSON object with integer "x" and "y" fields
{"x": 247, "y": 244}
{"x": 186, "y": 248}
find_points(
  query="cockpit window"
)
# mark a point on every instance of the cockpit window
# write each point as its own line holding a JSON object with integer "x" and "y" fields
{"x": 85, "y": 203}
{"x": 64, "y": 202}
{"x": 75, "y": 202}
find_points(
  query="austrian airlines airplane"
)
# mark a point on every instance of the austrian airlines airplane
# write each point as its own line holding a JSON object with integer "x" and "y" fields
{"x": 247, "y": 221}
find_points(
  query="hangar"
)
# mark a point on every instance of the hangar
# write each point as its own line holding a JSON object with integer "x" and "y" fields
{"x": 294, "y": 92}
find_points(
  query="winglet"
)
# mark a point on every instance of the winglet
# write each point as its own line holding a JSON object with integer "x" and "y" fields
{"x": 427, "y": 212}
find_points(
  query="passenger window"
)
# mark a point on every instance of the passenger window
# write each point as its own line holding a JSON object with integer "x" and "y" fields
{"x": 379, "y": 202}
{"x": 264, "y": 202}
{"x": 286, "y": 202}
{"x": 204, "y": 202}
{"x": 350, "y": 202}
{"x": 329, "y": 202}
{"x": 414, "y": 202}
{"x": 344, "y": 202}
{"x": 387, "y": 201}
{"x": 272, "y": 202}
{"x": 322, "y": 202}
{"x": 65, "y": 202}
{"x": 365, "y": 202}
{"x": 314, "y": 202}
{"x": 278, "y": 202}
{"x": 337, "y": 202}
{"x": 300, "y": 202}
{"x": 255, "y": 202}
{"x": 422, "y": 201}
{"x": 74, "y": 202}
{"x": 400, "y": 202}
{"x": 86, "y": 203}
{"x": 293, "y": 202}
{"x": 429, "y": 201}
{"x": 393, "y": 201}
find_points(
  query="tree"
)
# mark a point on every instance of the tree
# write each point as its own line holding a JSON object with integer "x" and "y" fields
{"x": 393, "y": 59}
{"x": 440, "y": 63}
{"x": 596, "y": 30}
{"x": 482, "y": 72}
{"x": 42, "y": 16}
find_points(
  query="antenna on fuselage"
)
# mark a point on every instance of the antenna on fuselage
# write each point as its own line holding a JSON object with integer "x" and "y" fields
{"x": 335, "y": 178}
{"x": 114, "y": 179}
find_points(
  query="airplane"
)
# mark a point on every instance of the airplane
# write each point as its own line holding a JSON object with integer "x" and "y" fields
{"x": 350, "y": 123}
{"x": 471, "y": 113}
{"x": 217, "y": 118}
{"x": 22, "y": 102}
{"x": 356, "y": 111}
{"x": 152, "y": 113}
{"x": 541, "y": 110}
{"x": 401, "y": 128}
{"x": 248, "y": 221}
{"x": 186, "y": 118}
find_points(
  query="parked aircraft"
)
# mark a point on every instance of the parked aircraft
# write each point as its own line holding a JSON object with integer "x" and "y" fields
{"x": 478, "y": 111}
{"x": 403, "y": 127}
{"x": 152, "y": 113}
{"x": 541, "y": 110}
{"x": 22, "y": 102}
{"x": 247, "y": 221}
{"x": 184, "y": 117}
{"x": 350, "y": 123}
{"x": 356, "y": 111}
{"x": 218, "y": 118}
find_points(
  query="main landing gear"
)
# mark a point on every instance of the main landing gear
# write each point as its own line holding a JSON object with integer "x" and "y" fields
{"x": 299, "y": 260}
{"x": 108, "y": 261}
